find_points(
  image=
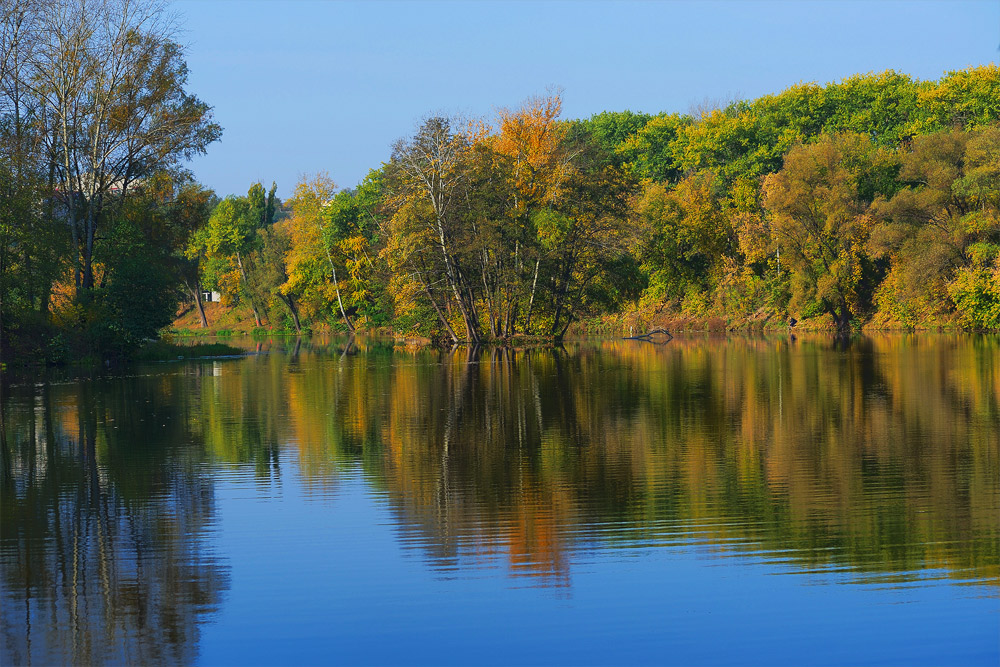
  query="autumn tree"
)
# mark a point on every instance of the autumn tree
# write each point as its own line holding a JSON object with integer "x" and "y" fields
{"x": 110, "y": 83}
{"x": 686, "y": 233}
{"x": 334, "y": 248}
{"x": 429, "y": 177}
{"x": 311, "y": 272}
{"x": 942, "y": 230}
{"x": 820, "y": 202}
{"x": 529, "y": 163}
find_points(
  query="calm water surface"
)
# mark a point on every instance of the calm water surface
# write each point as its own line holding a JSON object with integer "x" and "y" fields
{"x": 708, "y": 501}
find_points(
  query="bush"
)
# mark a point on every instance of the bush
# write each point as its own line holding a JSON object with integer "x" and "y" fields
{"x": 976, "y": 293}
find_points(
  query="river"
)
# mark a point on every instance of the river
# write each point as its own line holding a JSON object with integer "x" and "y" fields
{"x": 710, "y": 500}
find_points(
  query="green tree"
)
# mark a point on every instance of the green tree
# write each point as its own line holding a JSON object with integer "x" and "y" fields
{"x": 820, "y": 205}
{"x": 144, "y": 255}
{"x": 610, "y": 130}
{"x": 232, "y": 238}
{"x": 943, "y": 227}
{"x": 651, "y": 152}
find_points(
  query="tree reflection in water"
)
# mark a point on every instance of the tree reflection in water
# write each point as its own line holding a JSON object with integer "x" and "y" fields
{"x": 875, "y": 459}
{"x": 103, "y": 510}
{"x": 879, "y": 455}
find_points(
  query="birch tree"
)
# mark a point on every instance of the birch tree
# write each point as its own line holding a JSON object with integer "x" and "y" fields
{"x": 109, "y": 82}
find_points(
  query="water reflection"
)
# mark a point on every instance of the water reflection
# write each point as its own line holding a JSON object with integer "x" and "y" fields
{"x": 872, "y": 460}
{"x": 881, "y": 457}
{"x": 103, "y": 513}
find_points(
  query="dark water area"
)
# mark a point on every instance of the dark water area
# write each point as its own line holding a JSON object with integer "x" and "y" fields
{"x": 708, "y": 501}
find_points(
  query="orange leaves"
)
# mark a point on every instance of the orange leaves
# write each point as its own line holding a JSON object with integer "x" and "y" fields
{"x": 531, "y": 132}
{"x": 532, "y": 141}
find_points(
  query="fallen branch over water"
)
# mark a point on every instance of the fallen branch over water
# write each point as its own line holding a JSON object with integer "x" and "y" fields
{"x": 649, "y": 336}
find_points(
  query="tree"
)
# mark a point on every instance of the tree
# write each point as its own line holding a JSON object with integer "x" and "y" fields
{"x": 429, "y": 181}
{"x": 92, "y": 106}
{"x": 651, "y": 152}
{"x": 32, "y": 246}
{"x": 611, "y": 130}
{"x": 587, "y": 238}
{"x": 964, "y": 98}
{"x": 110, "y": 86}
{"x": 333, "y": 260}
{"x": 269, "y": 271}
{"x": 311, "y": 270}
{"x": 144, "y": 255}
{"x": 525, "y": 168}
{"x": 943, "y": 226}
{"x": 819, "y": 203}
{"x": 232, "y": 238}
{"x": 686, "y": 233}
{"x": 188, "y": 209}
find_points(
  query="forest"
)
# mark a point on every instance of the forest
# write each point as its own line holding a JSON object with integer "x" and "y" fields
{"x": 870, "y": 202}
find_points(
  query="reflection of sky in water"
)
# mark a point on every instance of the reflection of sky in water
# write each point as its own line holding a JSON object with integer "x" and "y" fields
{"x": 709, "y": 501}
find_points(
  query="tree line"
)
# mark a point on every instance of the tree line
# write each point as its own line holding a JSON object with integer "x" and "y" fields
{"x": 873, "y": 200}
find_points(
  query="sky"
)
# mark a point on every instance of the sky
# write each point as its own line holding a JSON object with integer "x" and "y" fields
{"x": 302, "y": 87}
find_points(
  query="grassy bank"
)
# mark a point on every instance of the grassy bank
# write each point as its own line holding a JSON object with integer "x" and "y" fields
{"x": 166, "y": 351}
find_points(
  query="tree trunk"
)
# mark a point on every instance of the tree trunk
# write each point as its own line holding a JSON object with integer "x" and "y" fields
{"x": 560, "y": 299}
{"x": 290, "y": 304}
{"x": 336, "y": 287}
{"x": 844, "y": 321}
{"x": 457, "y": 284}
{"x": 471, "y": 318}
{"x": 841, "y": 314}
{"x": 531, "y": 301}
{"x": 246, "y": 286}
{"x": 88, "y": 248}
{"x": 562, "y": 334}
{"x": 441, "y": 316}
{"x": 196, "y": 291}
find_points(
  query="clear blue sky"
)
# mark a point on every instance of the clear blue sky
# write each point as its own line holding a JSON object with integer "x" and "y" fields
{"x": 302, "y": 87}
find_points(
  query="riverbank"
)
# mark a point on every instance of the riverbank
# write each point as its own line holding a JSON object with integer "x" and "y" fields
{"x": 635, "y": 322}
{"x": 237, "y": 321}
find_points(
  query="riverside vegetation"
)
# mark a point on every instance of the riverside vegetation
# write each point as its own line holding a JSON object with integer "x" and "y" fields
{"x": 872, "y": 201}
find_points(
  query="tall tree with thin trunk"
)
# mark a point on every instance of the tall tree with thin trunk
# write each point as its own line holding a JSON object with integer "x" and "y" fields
{"x": 430, "y": 177}
{"x": 111, "y": 82}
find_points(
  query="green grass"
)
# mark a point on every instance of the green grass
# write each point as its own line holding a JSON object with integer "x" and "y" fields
{"x": 201, "y": 333}
{"x": 163, "y": 351}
